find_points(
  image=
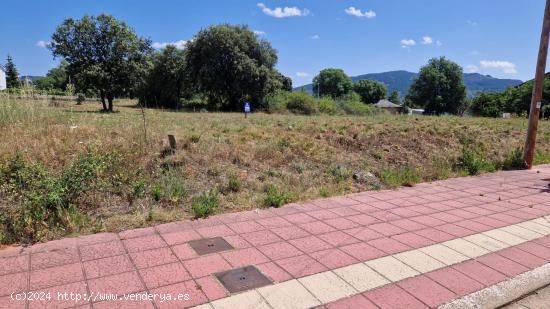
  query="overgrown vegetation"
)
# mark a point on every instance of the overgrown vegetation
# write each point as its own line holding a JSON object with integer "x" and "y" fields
{"x": 265, "y": 160}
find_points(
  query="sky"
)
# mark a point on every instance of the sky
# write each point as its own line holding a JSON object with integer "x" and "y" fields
{"x": 495, "y": 37}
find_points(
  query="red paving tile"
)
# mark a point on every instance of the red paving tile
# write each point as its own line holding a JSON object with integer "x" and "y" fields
{"x": 317, "y": 227}
{"x": 274, "y": 272}
{"x": 206, "y": 265}
{"x": 386, "y": 229}
{"x": 279, "y": 250}
{"x": 338, "y": 238}
{"x": 260, "y": 237}
{"x": 107, "y": 266}
{"x": 243, "y": 257}
{"x": 455, "y": 230}
{"x": 341, "y": 223}
{"x": 363, "y": 233}
{"x": 354, "y": 302}
{"x": 428, "y": 291}
{"x": 164, "y": 275}
{"x": 389, "y": 245}
{"x": 14, "y": 264}
{"x": 116, "y": 284}
{"x": 502, "y": 264}
{"x": 363, "y": 252}
{"x": 245, "y": 227}
{"x": 146, "y": 242}
{"x": 101, "y": 250}
{"x": 13, "y": 283}
{"x": 310, "y": 244}
{"x": 522, "y": 257}
{"x": 290, "y": 232}
{"x": 455, "y": 281}
{"x": 56, "y": 276}
{"x": 428, "y": 220}
{"x": 237, "y": 242}
{"x": 212, "y": 288}
{"x": 435, "y": 235}
{"x": 413, "y": 240}
{"x": 184, "y": 295}
{"x": 63, "y": 300}
{"x": 408, "y": 225}
{"x": 300, "y": 266}
{"x": 299, "y": 218}
{"x": 479, "y": 272}
{"x": 333, "y": 258}
{"x": 154, "y": 257}
{"x": 363, "y": 219}
{"x": 215, "y": 231}
{"x": 393, "y": 297}
{"x": 54, "y": 258}
{"x": 173, "y": 238}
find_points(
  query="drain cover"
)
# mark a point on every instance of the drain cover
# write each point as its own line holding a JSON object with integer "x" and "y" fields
{"x": 242, "y": 279}
{"x": 210, "y": 245}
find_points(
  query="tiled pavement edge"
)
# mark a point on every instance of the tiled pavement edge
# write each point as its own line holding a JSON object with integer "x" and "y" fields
{"x": 481, "y": 229}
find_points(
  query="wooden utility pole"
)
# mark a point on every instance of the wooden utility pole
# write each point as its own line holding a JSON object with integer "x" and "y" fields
{"x": 536, "y": 100}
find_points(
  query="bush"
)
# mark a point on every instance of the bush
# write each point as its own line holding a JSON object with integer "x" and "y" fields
{"x": 473, "y": 161}
{"x": 514, "y": 160}
{"x": 327, "y": 106}
{"x": 405, "y": 176}
{"x": 357, "y": 108}
{"x": 80, "y": 98}
{"x": 277, "y": 198}
{"x": 233, "y": 184}
{"x": 205, "y": 204}
{"x": 302, "y": 103}
{"x": 45, "y": 203}
{"x": 340, "y": 173}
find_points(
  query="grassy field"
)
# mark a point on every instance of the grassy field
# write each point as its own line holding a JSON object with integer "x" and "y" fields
{"x": 223, "y": 162}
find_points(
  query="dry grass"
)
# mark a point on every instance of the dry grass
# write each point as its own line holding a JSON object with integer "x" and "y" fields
{"x": 306, "y": 157}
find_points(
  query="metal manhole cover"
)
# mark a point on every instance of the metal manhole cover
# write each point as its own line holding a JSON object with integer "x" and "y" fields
{"x": 210, "y": 245}
{"x": 242, "y": 279}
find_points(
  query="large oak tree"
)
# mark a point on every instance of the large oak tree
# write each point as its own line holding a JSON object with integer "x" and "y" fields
{"x": 103, "y": 54}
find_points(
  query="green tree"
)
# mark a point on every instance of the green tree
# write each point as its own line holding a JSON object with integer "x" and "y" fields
{"x": 230, "y": 64}
{"x": 332, "y": 82}
{"x": 439, "y": 88}
{"x": 104, "y": 55}
{"x": 395, "y": 98}
{"x": 487, "y": 105}
{"x": 166, "y": 81}
{"x": 12, "y": 76}
{"x": 370, "y": 91}
{"x": 56, "y": 78}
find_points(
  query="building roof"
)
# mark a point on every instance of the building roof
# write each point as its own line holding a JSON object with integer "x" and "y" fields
{"x": 386, "y": 104}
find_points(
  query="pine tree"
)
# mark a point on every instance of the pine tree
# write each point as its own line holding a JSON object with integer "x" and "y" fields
{"x": 12, "y": 76}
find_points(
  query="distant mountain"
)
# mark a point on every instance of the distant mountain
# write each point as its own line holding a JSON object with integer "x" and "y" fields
{"x": 30, "y": 77}
{"x": 402, "y": 80}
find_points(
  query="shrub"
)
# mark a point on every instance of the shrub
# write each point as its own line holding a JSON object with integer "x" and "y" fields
{"x": 301, "y": 103}
{"x": 405, "y": 176}
{"x": 340, "y": 173}
{"x": 46, "y": 203}
{"x": 233, "y": 184}
{"x": 277, "y": 198}
{"x": 352, "y": 106}
{"x": 473, "y": 161}
{"x": 514, "y": 160}
{"x": 170, "y": 187}
{"x": 276, "y": 103}
{"x": 327, "y": 106}
{"x": 205, "y": 204}
{"x": 80, "y": 98}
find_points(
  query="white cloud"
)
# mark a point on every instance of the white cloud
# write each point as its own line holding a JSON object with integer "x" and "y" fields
{"x": 302, "y": 74}
{"x": 471, "y": 23}
{"x": 179, "y": 44}
{"x": 279, "y": 12}
{"x": 357, "y": 12}
{"x": 315, "y": 37}
{"x": 472, "y": 68}
{"x": 406, "y": 43}
{"x": 43, "y": 44}
{"x": 258, "y": 32}
{"x": 506, "y": 67}
{"x": 427, "y": 40}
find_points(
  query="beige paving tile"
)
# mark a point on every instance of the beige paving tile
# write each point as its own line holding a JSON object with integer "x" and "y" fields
{"x": 444, "y": 254}
{"x": 521, "y": 232}
{"x": 203, "y": 306}
{"x": 361, "y": 277}
{"x": 327, "y": 286}
{"x": 290, "y": 294}
{"x": 419, "y": 261}
{"x": 465, "y": 247}
{"x": 250, "y": 299}
{"x": 486, "y": 242}
{"x": 392, "y": 268}
{"x": 543, "y": 221}
{"x": 533, "y": 226}
{"x": 505, "y": 237}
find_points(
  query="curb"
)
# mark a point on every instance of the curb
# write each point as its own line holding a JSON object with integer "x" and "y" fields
{"x": 504, "y": 292}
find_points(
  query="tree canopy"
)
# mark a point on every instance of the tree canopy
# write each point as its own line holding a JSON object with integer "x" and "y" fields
{"x": 332, "y": 82}
{"x": 103, "y": 54}
{"x": 12, "y": 76}
{"x": 56, "y": 78}
{"x": 370, "y": 91}
{"x": 231, "y": 64}
{"x": 395, "y": 98}
{"x": 166, "y": 80}
{"x": 439, "y": 88}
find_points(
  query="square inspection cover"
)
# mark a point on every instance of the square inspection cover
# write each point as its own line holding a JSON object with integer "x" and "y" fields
{"x": 242, "y": 279}
{"x": 210, "y": 245}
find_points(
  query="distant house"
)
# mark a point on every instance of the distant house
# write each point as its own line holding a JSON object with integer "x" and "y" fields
{"x": 389, "y": 106}
{"x": 2, "y": 78}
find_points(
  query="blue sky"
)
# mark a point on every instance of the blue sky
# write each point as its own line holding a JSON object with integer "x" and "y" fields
{"x": 496, "y": 37}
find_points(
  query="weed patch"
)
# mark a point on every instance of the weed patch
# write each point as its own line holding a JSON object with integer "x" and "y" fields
{"x": 277, "y": 198}
{"x": 205, "y": 204}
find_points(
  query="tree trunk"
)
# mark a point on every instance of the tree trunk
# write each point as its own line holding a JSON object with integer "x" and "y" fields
{"x": 102, "y": 95}
{"x": 110, "y": 100}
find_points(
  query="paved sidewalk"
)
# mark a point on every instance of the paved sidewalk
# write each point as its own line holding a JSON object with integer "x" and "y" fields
{"x": 538, "y": 300}
{"x": 409, "y": 248}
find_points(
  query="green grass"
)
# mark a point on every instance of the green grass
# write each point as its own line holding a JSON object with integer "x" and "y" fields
{"x": 301, "y": 157}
